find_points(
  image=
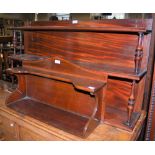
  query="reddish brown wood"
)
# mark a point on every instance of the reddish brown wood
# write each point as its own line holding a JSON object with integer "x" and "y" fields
{"x": 150, "y": 123}
{"x": 84, "y": 29}
{"x": 28, "y": 128}
{"x": 131, "y": 103}
{"x": 73, "y": 89}
{"x": 114, "y": 23}
{"x": 149, "y": 75}
{"x": 150, "y": 128}
{"x": 58, "y": 118}
{"x": 139, "y": 53}
{"x": 125, "y": 25}
{"x": 84, "y": 69}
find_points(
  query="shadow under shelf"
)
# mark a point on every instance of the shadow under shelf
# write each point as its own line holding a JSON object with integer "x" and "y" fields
{"x": 116, "y": 117}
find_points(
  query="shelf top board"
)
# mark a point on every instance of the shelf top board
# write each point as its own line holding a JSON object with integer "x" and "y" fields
{"x": 62, "y": 70}
{"x": 82, "y": 83}
{"x": 113, "y": 70}
{"x": 84, "y": 29}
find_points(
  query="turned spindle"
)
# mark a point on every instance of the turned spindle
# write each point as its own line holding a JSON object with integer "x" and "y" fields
{"x": 139, "y": 53}
{"x": 131, "y": 103}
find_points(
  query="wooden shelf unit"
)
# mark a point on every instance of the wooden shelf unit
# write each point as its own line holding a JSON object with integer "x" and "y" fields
{"x": 64, "y": 75}
{"x": 94, "y": 71}
{"x": 17, "y": 126}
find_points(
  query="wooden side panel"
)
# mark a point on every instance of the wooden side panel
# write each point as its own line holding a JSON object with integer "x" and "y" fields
{"x": 140, "y": 95}
{"x": 146, "y": 48}
{"x": 60, "y": 94}
{"x": 118, "y": 93}
{"x": 20, "y": 91}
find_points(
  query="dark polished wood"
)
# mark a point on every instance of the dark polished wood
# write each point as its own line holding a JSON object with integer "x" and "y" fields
{"x": 17, "y": 126}
{"x": 125, "y": 25}
{"x": 66, "y": 87}
{"x": 139, "y": 53}
{"x": 150, "y": 129}
{"x": 131, "y": 103}
{"x": 91, "y": 70}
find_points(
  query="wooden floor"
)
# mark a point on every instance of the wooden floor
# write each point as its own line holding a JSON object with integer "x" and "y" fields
{"x": 102, "y": 132}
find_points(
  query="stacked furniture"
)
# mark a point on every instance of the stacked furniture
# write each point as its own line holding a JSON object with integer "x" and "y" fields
{"x": 76, "y": 75}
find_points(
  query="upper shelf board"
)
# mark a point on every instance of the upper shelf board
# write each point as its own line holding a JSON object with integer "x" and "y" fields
{"x": 83, "y": 29}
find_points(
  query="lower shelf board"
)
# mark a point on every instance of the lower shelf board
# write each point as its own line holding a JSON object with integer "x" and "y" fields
{"x": 58, "y": 118}
{"x": 118, "y": 118}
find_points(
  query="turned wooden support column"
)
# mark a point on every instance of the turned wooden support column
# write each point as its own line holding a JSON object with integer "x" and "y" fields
{"x": 139, "y": 53}
{"x": 131, "y": 103}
